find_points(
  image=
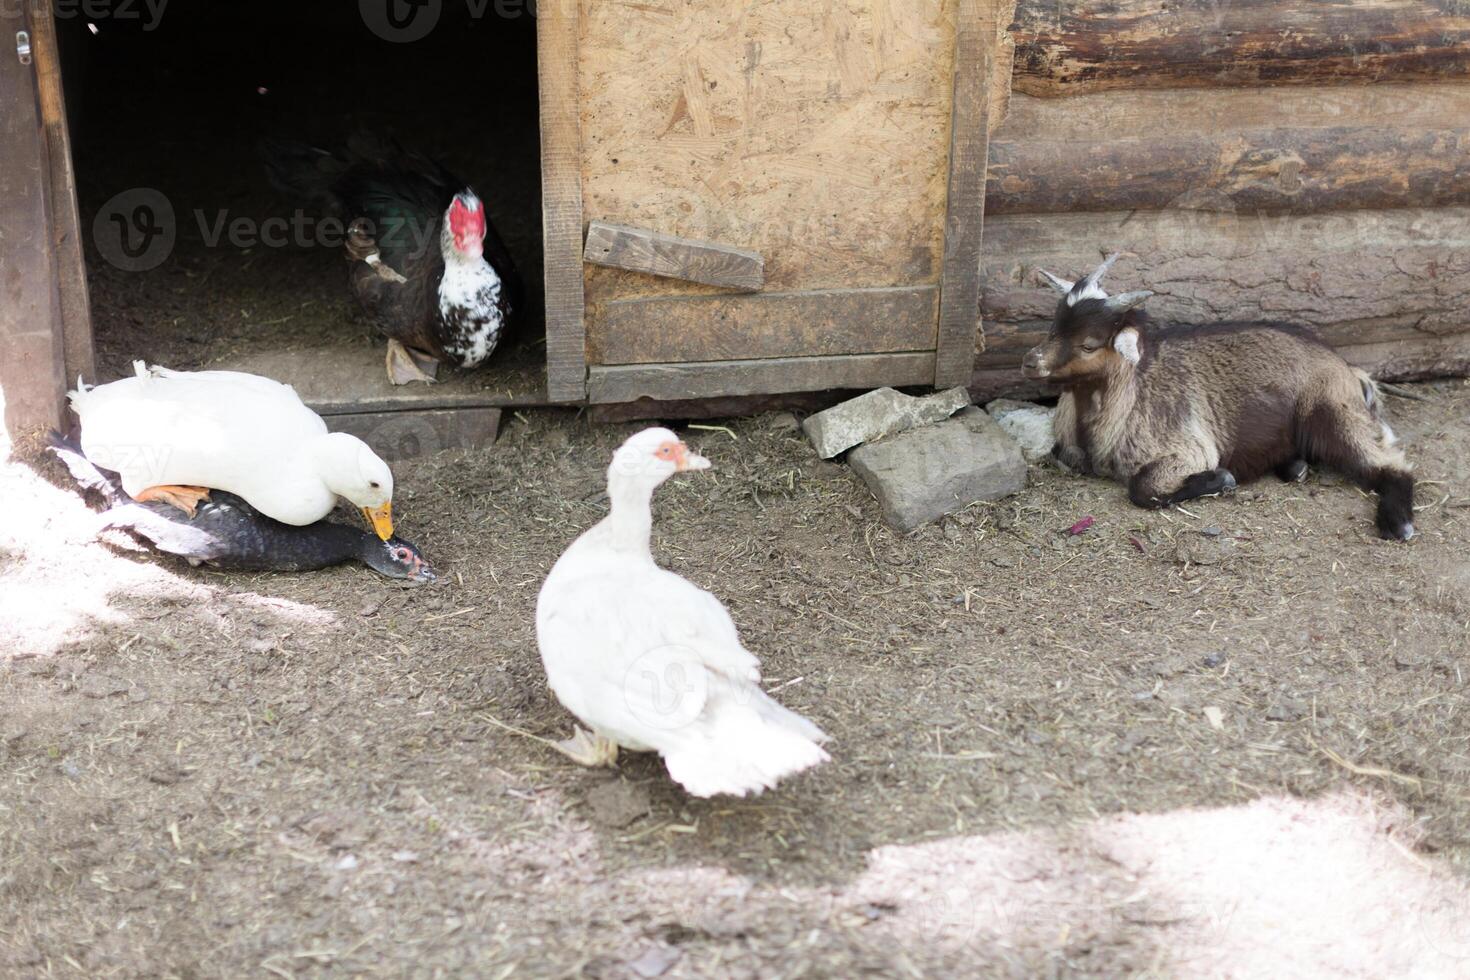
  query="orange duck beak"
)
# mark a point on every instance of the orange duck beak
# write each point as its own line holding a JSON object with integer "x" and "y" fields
{"x": 381, "y": 518}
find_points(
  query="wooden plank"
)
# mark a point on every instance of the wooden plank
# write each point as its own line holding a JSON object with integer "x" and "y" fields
{"x": 959, "y": 305}
{"x": 408, "y": 435}
{"x": 679, "y": 382}
{"x": 561, "y": 192}
{"x": 809, "y": 324}
{"x": 66, "y": 231}
{"x": 1071, "y": 46}
{"x": 1258, "y": 170}
{"x": 32, "y": 355}
{"x": 669, "y": 256}
{"x": 1406, "y": 266}
{"x": 342, "y": 380}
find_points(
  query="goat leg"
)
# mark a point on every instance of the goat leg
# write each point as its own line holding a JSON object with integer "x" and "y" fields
{"x": 1168, "y": 481}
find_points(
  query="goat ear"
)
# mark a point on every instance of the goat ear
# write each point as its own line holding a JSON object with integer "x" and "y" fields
{"x": 1126, "y": 344}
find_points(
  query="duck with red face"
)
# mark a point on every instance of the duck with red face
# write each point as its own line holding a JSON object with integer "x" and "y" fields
{"x": 427, "y": 264}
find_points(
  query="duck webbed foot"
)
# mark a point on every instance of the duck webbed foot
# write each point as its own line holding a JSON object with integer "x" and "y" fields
{"x": 186, "y": 499}
{"x": 406, "y": 366}
{"x": 587, "y": 749}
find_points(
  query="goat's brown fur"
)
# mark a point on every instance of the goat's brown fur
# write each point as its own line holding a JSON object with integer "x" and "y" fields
{"x": 1205, "y": 407}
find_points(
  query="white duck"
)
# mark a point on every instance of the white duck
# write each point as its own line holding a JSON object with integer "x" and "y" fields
{"x": 173, "y": 435}
{"x": 651, "y": 662}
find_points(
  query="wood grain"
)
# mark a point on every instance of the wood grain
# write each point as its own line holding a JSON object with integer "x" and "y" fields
{"x": 32, "y": 353}
{"x": 816, "y": 134}
{"x": 66, "y": 233}
{"x": 711, "y": 328}
{"x": 561, "y": 192}
{"x": 679, "y": 382}
{"x": 1358, "y": 274}
{"x": 1071, "y": 46}
{"x": 669, "y": 256}
{"x": 407, "y": 435}
{"x": 1257, "y": 170}
{"x": 959, "y": 307}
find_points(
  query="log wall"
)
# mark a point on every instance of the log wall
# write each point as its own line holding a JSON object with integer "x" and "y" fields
{"x": 1284, "y": 160}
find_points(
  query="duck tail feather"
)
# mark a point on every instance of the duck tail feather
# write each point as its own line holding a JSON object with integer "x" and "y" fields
{"x": 82, "y": 469}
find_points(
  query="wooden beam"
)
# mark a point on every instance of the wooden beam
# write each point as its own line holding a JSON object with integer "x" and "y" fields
{"x": 672, "y": 329}
{"x": 407, "y": 435}
{"x": 1260, "y": 170}
{"x": 66, "y": 230}
{"x": 561, "y": 194}
{"x": 1404, "y": 266}
{"x": 680, "y": 382}
{"x": 32, "y": 355}
{"x": 1065, "y": 47}
{"x": 959, "y": 305}
{"x": 657, "y": 254}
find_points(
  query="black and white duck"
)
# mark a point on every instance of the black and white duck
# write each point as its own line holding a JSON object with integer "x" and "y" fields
{"x": 225, "y": 532}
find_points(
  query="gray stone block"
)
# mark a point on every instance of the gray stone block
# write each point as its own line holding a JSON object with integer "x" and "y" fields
{"x": 879, "y": 413}
{"x": 920, "y": 475}
{"x": 1027, "y": 423}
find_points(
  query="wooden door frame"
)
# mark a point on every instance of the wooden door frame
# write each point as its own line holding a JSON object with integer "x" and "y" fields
{"x": 45, "y": 318}
{"x": 561, "y": 199}
{"x": 959, "y": 339}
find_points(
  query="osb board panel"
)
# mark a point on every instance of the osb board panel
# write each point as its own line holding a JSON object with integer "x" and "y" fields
{"x": 736, "y": 327}
{"x": 815, "y": 132}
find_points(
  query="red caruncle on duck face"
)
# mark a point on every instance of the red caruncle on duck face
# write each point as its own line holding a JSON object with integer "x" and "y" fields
{"x": 467, "y": 224}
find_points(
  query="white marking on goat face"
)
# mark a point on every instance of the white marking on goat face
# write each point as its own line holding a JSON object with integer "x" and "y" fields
{"x": 1089, "y": 290}
{"x": 1126, "y": 343}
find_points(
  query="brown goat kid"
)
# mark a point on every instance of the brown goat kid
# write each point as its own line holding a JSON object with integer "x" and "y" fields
{"x": 1189, "y": 411}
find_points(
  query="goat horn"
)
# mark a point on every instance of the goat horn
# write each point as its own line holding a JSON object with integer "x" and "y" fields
{"x": 1060, "y": 285}
{"x": 1124, "y": 302}
{"x": 1097, "y": 274}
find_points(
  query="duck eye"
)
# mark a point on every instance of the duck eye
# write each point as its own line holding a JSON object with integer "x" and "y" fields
{"x": 374, "y": 484}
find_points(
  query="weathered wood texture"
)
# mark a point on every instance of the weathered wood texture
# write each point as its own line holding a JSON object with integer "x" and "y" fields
{"x": 1070, "y": 46}
{"x": 1311, "y": 149}
{"x": 1388, "y": 287}
{"x": 710, "y": 328}
{"x": 815, "y": 134}
{"x": 561, "y": 192}
{"x": 669, "y": 256}
{"x": 959, "y": 300}
{"x": 32, "y": 355}
{"x": 66, "y": 232}
{"x": 680, "y": 382}
{"x": 407, "y": 435}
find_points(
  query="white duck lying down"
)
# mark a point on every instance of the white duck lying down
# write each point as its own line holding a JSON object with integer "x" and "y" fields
{"x": 173, "y": 436}
{"x": 652, "y": 663}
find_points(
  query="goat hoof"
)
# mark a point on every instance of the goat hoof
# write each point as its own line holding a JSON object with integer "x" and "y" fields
{"x": 1293, "y": 472}
{"x": 1403, "y": 532}
{"x": 1227, "y": 481}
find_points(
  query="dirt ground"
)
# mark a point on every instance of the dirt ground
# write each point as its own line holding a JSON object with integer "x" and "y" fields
{"x": 1227, "y": 741}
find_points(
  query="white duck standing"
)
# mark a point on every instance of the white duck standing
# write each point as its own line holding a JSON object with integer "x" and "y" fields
{"x": 651, "y": 662}
{"x": 174, "y": 435}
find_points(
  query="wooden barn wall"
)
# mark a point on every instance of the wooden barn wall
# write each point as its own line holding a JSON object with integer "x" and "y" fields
{"x": 816, "y": 134}
{"x": 1254, "y": 160}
